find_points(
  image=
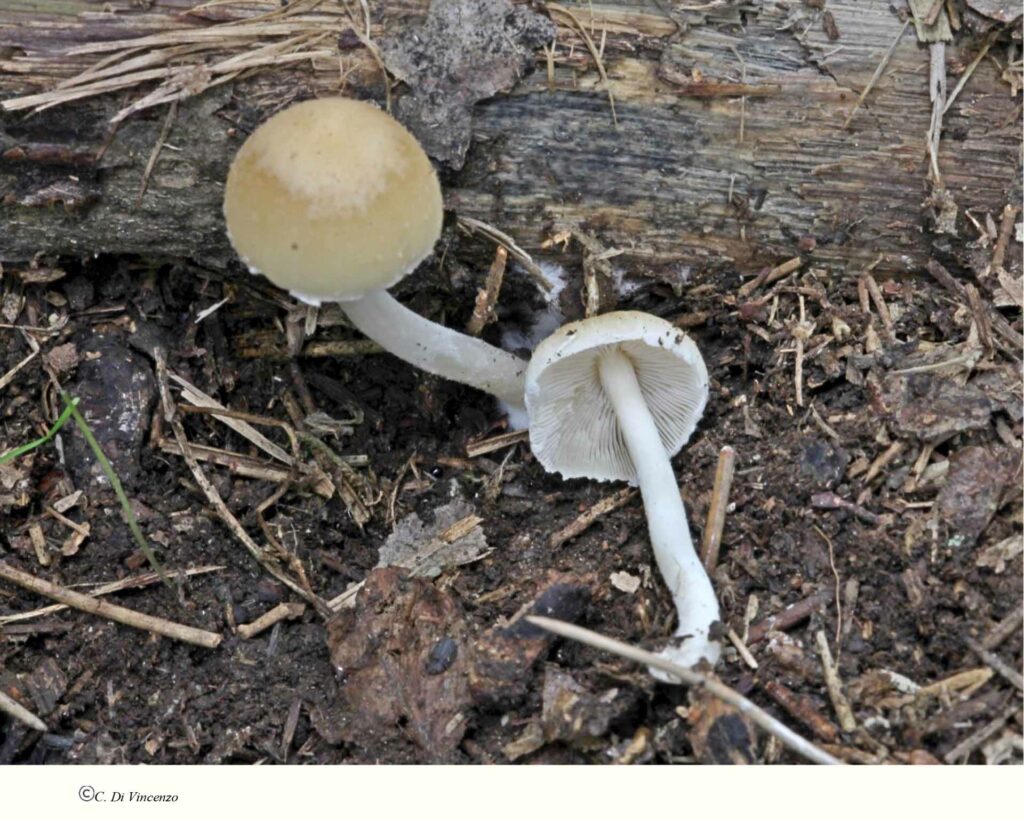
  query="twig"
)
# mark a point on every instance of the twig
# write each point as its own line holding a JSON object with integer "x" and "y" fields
{"x": 766, "y": 277}
{"x": 213, "y": 496}
{"x": 712, "y": 541}
{"x": 471, "y": 225}
{"x": 742, "y": 648}
{"x": 883, "y": 461}
{"x": 285, "y": 611}
{"x": 487, "y": 296}
{"x": 8, "y": 377}
{"x": 831, "y": 501}
{"x": 594, "y": 52}
{"x": 206, "y": 313}
{"x": 998, "y": 664}
{"x": 236, "y": 462}
{"x": 963, "y": 684}
{"x": 344, "y": 599}
{"x": 500, "y": 442}
{"x": 189, "y": 60}
{"x": 330, "y": 348}
{"x": 953, "y": 12}
{"x": 743, "y": 99}
{"x": 878, "y": 73}
{"x": 834, "y": 685}
{"x": 1003, "y": 240}
{"x": 946, "y": 279}
{"x": 803, "y": 709}
{"x": 997, "y": 320}
{"x": 291, "y": 723}
{"x": 237, "y": 421}
{"x": 276, "y": 546}
{"x": 969, "y": 70}
{"x": 172, "y": 112}
{"x": 128, "y": 617}
{"x": 132, "y": 582}
{"x": 980, "y": 315}
{"x": 851, "y": 592}
{"x": 824, "y": 426}
{"x": 549, "y": 55}
{"x": 852, "y": 754}
{"x": 396, "y": 488}
{"x": 835, "y": 574}
{"x": 1005, "y": 628}
{"x": 932, "y": 14}
{"x": 956, "y": 361}
{"x": 937, "y": 93}
{"x": 863, "y": 297}
{"x": 225, "y": 515}
{"x": 875, "y": 293}
{"x": 801, "y": 331}
{"x": 346, "y": 479}
{"x": 35, "y": 534}
{"x": 50, "y": 331}
{"x": 794, "y": 741}
{"x": 583, "y": 521}
{"x": 975, "y": 739}
{"x": 963, "y": 711}
{"x": 790, "y": 616}
{"x": 81, "y": 529}
{"x": 19, "y": 712}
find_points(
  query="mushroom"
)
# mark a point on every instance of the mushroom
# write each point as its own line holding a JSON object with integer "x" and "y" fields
{"x": 334, "y": 200}
{"x": 612, "y": 398}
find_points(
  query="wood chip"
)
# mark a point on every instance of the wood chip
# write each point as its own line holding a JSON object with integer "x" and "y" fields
{"x": 285, "y": 611}
{"x": 833, "y": 684}
{"x": 584, "y": 521}
{"x": 624, "y": 582}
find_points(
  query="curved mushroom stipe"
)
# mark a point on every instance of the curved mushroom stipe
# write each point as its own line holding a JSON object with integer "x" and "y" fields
{"x": 438, "y": 349}
{"x": 613, "y": 398}
{"x": 667, "y": 526}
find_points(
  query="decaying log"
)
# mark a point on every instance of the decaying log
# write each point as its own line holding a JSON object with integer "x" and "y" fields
{"x": 729, "y": 146}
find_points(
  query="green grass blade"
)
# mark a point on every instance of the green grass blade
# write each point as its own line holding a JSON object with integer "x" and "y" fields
{"x": 115, "y": 483}
{"x": 18, "y": 452}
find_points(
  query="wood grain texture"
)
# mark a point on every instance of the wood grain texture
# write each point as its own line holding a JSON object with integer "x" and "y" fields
{"x": 548, "y": 155}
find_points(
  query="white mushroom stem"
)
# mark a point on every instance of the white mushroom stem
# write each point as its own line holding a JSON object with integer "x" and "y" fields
{"x": 438, "y": 349}
{"x": 669, "y": 531}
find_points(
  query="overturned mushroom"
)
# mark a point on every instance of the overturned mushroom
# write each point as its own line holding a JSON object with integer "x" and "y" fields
{"x": 334, "y": 200}
{"x": 613, "y": 398}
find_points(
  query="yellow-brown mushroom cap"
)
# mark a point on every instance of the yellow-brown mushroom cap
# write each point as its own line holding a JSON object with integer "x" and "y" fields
{"x": 332, "y": 198}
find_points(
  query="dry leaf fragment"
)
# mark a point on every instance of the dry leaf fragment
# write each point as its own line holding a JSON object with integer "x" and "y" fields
{"x": 455, "y": 538}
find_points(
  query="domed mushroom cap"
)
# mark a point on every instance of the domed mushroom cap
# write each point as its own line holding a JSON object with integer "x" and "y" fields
{"x": 332, "y": 198}
{"x": 573, "y": 426}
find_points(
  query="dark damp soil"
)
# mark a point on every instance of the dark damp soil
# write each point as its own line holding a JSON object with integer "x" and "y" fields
{"x": 887, "y": 505}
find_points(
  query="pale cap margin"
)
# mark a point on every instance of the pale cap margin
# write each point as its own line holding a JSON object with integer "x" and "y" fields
{"x": 573, "y": 427}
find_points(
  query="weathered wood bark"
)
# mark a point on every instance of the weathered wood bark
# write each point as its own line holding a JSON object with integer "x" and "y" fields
{"x": 548, "y": 155}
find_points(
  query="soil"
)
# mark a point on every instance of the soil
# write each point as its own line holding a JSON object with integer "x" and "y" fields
{"x": 913, "y": 588}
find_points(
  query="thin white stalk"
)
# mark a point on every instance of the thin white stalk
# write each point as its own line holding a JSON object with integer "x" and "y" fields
{"x": 438, "y": 349}
{"x": 677, "y": 559}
